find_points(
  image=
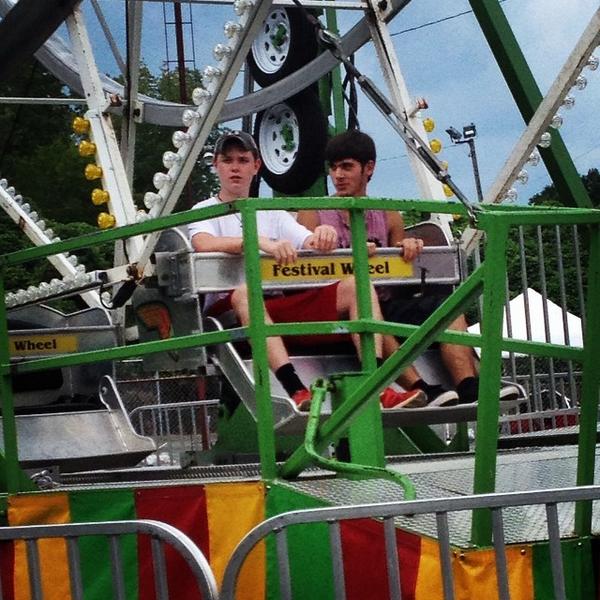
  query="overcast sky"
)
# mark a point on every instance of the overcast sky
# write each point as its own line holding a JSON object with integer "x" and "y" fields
{"x": 449, "y": 63}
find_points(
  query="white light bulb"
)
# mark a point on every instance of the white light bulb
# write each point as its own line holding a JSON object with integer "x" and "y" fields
{"x": 33, "y": 215}
{"x": 200, "y": 95}
{"x": 3, "y": 184}
{"x": 18, "y": 199}
{"x": 11, "y": 191}
{"x": 556, "y": 122}
{"x": 221, "y": 51}
{"x": 41, "y": 224}
{"x": 592, "y": 63}
{"x": 189, "y": 117}
{"x": 80, "y": 279}
{"x": 160, "y": 180}
{"x": 580, "y": 83}
{"x": 32, "y": 292}
{"x": 534, "y": 159}
{"x": 44, "y": 288}
{"x": 568, "y": 102}
{"x": 180, "y": 138}
{"x": 523, "y": 177}
{"x": 10, "y": 299}
{"x": 545, "y": 140}
{"x": 231, "y": 29}
{"x": 55, "y": 239}
{"x": 25, "y": 208}
{"x": 211, "y": 73}
{"x": 21, "y": 296}
{"x": 49, "y": 233}
{"x": 241, "y": 6}
{"x": 170, "y": 159}
{"x": 80, "y": 268}
{"x": 141, "y": 216}
{"x": 152, "y": 199}
{"x": 55, "y": 285}
{"x": 73, "y": 260}
{"x": 511, "y": 195}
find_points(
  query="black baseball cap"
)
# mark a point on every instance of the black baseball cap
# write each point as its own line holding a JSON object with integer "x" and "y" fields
{"x": 241, "y": 138}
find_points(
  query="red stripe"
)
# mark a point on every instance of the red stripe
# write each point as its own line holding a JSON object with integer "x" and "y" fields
{"x": 7, "y": 569}
{"x": 365, "y": 565}
{"x": 184, "y": 508}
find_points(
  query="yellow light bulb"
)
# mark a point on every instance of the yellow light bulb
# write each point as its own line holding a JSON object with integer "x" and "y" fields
{"x": 457, "y": 217}
{"x": 444, "y": 164}
{"x": 106, "y": 221}
{"x": 92, "y": 172}
{"x": 100, "y": 197}
{"x": 447, "y": 191}
{"x": 80, "y": 125}
{"x": 435, "y": 145}
{"x": 87, "y": 148}
{"x": 428, "y": 124}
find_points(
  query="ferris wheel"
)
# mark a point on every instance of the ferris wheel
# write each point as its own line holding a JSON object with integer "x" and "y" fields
{"x": 287, "y": 50}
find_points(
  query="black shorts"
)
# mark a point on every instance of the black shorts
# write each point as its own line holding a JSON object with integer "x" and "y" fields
{"x": 412, "y": 307}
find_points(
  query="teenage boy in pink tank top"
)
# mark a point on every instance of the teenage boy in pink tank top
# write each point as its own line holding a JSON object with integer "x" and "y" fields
{"x": 351, "y": 158}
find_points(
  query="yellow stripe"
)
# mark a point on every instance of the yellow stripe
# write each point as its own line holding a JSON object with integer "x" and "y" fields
{"x": 474, "y": 573}
{"x": 41, "y": 509}
{"x": 233, "y": 509}
{"x": 429, "y": 578}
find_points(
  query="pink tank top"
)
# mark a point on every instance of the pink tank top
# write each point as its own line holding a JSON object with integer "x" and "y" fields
{"x": 376, "y": 226}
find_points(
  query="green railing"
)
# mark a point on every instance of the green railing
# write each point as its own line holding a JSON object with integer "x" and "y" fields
{"x": 360, "y": 409}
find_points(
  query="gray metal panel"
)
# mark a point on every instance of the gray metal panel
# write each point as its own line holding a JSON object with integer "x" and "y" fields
{"x": 216, "y": 271}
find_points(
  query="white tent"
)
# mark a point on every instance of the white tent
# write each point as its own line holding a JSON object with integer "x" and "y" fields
{"x": 537, "y": 322}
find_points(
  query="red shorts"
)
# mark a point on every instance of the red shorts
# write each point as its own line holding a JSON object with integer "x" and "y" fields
{"x": 318, "y": 304}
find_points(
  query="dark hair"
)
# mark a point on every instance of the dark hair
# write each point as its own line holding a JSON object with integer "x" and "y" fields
{"x": 351, "y": 144}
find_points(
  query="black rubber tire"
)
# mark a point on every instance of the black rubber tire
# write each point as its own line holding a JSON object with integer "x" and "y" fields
{"x": 303, "y": 48}
{"x": 309, "y": 160}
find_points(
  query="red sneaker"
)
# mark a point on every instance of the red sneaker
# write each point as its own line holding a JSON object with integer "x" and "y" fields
{"x": 302, "y": 400}
{"x": 390, "y": 398}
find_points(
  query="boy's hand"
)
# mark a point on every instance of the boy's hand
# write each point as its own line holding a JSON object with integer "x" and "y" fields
{"x": 371, "y": 249}
{"x": 412, "y": 248}
{"x": 323, "y": 239}
{"x": 281, "y": 250}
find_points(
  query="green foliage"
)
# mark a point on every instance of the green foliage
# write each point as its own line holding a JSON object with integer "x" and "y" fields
{"x": 39, "y": 156}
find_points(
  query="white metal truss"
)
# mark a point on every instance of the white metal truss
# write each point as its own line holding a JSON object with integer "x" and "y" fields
{"x": 250, "y": 22}
{"x": 31, "y": 225}
{"x": 540, "y": 121}
{"x": 429, "y": 186}
{"x": 114, "y": 179}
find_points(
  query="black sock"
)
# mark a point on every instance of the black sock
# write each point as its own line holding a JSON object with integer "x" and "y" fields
{"x": 287, "y": 376}
{"x": 430, "y": 389}
{"x": 468, "y": 389}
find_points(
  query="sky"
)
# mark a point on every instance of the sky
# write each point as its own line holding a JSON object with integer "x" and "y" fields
{"x": 448, "y": 63}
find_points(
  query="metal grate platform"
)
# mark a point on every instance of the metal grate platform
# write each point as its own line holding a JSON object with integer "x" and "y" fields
{"x": 444, "y": 477}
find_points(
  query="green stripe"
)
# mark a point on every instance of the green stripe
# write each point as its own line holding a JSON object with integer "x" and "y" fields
{"x": 105, "y": 505}
{"x": 577, "y": 566}
{"x": 308, "y": 549}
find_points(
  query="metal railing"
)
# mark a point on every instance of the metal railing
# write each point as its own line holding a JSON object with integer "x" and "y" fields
{"x": 176, "y": 427}
{"x": 441, "y": 508}
{"x": 160, "y": 534}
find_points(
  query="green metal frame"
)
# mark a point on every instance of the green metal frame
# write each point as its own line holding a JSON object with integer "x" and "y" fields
{"x": 527, "y": 96}
{"x": 358, "y": 406}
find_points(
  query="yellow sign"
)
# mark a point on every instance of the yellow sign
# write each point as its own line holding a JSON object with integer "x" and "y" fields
{"x": 26, "y": 345}
{"x": 308, "y": 268}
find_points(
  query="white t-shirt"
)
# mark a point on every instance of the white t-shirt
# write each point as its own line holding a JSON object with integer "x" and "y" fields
{"x": 272, "y": 224}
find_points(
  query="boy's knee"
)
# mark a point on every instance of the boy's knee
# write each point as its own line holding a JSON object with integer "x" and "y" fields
{"x": 239, "y": 297}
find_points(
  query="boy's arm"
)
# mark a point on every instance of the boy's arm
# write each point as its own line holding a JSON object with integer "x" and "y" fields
{"x": 396, "y": 238}
{"x": 309, "y": 218}
{"x": 205, "y": 242}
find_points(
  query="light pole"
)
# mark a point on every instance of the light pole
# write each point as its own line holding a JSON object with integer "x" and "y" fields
{"x": 468, "y": 137}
